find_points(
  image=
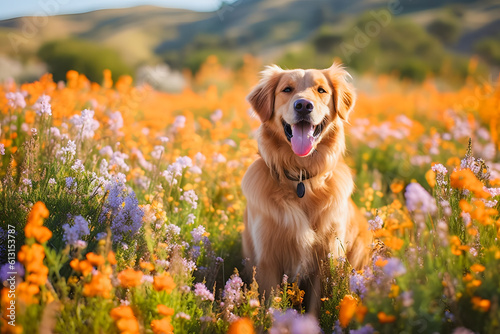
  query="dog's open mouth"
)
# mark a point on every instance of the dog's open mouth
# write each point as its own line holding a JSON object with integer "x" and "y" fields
{"x": 302, "y": 136}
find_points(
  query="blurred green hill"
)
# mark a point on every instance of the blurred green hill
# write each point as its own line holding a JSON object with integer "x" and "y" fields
{"x": 420, "y": 37}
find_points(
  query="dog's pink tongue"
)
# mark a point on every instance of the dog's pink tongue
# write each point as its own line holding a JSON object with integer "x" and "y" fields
{"x": 302, "y": 140}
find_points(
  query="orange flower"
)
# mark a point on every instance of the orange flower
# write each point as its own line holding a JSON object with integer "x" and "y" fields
{"x": 40, "y": 233}
{"x": 397, "y": 186}
{"x": 430, "y": 176}
{"x": 128, "y": 325}
{"x": 26, "y": 292}
{"x": 241, "y": 326}
{"x": 164, "y": 282}
{"x": 130, "y": 278}
{"x": 125, "y": 319}
{"x": 100, "y": 285}
{"x": 164, "y": 310}
{"x": 456, "y": 246}
{"x": 147, "y": 265}
{"x": 477, "y": 268}
{"x": 465, "y": 179}
{"x": 385, "y": 318}
{"x": 121, "y": 312}
{"x": 82, "y": 266}
{"x": 347, "y": 310}
{"x": 480, "y": 304}
{"x": 394, "y": 243}
{"x": 361, "y": 311}
{"x": 111, "y": 258}
{"x": 37, "y": 213}
{"x": 381, "y": 262}
{"x": 162, "y": 326}
{"x": 94, "y": 259}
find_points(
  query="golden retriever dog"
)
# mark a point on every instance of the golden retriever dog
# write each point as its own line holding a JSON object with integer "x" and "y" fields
{"x": 299, "y": 208}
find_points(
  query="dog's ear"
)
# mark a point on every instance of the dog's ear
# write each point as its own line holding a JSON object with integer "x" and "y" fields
{"x": 344, "y": 95}
{"x": 261, "y": 98}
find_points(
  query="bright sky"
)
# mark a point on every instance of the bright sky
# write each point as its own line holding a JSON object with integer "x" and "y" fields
{"x": 16, "y": 8}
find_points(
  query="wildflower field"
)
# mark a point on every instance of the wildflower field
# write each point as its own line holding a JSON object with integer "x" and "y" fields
{"x": 121, "y": 209}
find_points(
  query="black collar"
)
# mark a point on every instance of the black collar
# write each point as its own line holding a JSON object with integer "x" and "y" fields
{"x": 305, "y": 175}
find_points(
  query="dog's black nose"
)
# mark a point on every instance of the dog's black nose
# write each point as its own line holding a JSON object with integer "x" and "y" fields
{"x": 303, "y": 106}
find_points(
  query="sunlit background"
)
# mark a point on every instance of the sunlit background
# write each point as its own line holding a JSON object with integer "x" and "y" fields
{"x": 412, "y": 39}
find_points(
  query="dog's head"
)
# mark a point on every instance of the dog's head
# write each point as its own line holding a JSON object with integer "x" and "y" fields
{"x": 301, "y": 105}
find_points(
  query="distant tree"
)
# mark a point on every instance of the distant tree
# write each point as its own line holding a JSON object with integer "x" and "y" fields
{"x": 447, "y": 29}
{"x": 325, "y": 41}
{"x": 489, "y": 49}
{"x": 82, "y": 56}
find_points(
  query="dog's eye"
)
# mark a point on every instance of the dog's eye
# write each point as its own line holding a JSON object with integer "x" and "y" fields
{"x": 287, "y": 89}
{"x": 321, "y": 90}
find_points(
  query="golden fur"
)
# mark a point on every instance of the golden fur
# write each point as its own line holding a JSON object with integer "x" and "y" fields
{"x": 285, "y": 234}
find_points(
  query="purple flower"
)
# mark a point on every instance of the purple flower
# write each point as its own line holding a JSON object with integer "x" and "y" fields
{"x": 294, "y": 323}
{"x": 73, "y": 234}
{"x": 232, "y": 291}
{"x": 417, "y": 198}
{"x": 122, "y": 207}
{"x": 376, "y": 223}
{"x": 367, "y": 329}
{"x": 198, "y": 233}
{"x": 200, "y": 290}
{"x": 11, "y": 268}
{"x": 394, "y": 267}
{"x": 357, "y": 284}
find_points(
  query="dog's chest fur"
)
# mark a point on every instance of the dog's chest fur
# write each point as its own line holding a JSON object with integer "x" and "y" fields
{"x": 305, "y": 229}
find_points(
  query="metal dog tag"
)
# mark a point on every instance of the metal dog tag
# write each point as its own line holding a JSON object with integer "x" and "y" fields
{"x": 301, "y": 189}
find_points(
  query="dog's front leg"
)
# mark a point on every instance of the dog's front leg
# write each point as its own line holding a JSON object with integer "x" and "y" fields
{"x": 313, "y": 293}
{"x": 268, "y": 277}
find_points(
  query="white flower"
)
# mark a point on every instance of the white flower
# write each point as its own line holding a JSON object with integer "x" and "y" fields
{"x": 68, "y": 152}
{"x": 190, "y": 197}
{"x": 180, "y": 122}
{"x": 78, "y": 166}
{"x": 157, "y": 152}
{"x": 26, "y": 182}
{"x": 42, "y": 106}
{"x": 115, "y": 121}
{"x": 2, "y": 149}
{"x": 219, "y": 158}
{"x": 55, "y": 132}
{"x": 52, "y": 181}
{"x": 106, "y": 150}
{"x": 216, "y": 116}
{"x": 16, "y": 99}
{"x": 85, "y": 124}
